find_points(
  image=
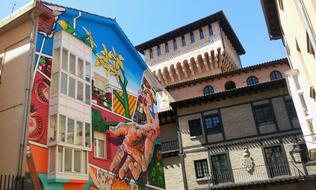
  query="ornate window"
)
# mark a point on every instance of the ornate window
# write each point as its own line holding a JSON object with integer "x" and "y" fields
{"x": 208, "y": 90}
{"x": 275, "y": 75}
{"x": 252, "y": 80}
{"x": 230, "y": 85}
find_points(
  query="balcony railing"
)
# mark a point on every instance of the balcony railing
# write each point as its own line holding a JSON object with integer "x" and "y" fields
{"x": 11, "y": 182}
{"x": 259, "y": 173}
{"x": 170, "y": 146}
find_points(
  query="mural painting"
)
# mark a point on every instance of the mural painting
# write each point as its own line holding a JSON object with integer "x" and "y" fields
{"x": 125, "y": 151}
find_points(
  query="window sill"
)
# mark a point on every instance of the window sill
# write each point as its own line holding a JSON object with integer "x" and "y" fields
{"x": 99, "y": 158}
{"x": 196, "y": 137}
{"x": 266, "y": 123}
{"x": 201, "y": 179}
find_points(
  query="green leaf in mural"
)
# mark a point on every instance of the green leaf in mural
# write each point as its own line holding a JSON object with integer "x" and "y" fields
{"x": 99, "y": 123}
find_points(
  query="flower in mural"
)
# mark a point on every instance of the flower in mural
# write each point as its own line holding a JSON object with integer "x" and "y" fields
{"x": 112, "y": 64}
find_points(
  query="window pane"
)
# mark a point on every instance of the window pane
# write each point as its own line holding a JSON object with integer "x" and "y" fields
{"x": 201, "y": 33}
{"x": 79, "y": 91}
{"x": 72, "y": 87}
{"x": 63, "y": 83}
{"x": 87, "y": 135}
{"x": 192, "y": 37}
{"x": 55, "y": 81}
{"x": 210, "y": 30}
{"x": 175, "y": 46}
{"x": 84, "y": 163}
{"x": 79, "y": 135}
{"x": 62, "y": 128}
{"x": 60, "y": 159}
{"x": 65, "y": 60}
{"x": 151, "y": 54}
{"x": 56, "y": 60}
{"x": 70, "y": 132}
{"x": 68, "y": 159}
{"x": 100, "y": 148}
{"x": 166, "y": 47}
{"x": 88, "y": 71}
{"x": 88, "y": 94}
{"x": 183, "y": 41}
{"x": 158, "y": 50}
{"x": 77, "y": 160}
{"x": 195, "y": 127}
{"x": 52, "y": 159}
{"x": 264, "y": 114}
{"x": 72, "y": 64}
{"x": 80, "y": 68}
{"x": 52, "y": 128}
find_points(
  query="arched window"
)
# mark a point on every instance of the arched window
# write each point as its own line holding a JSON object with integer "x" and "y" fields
{"x": 230, "y": 85}
{"x": 208, "y": 90}
{"x": 274, "y": 75}
{"x": 252, "y": 80}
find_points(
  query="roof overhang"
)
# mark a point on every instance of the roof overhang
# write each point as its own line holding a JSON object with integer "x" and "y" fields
{"x": 271, "y": 15}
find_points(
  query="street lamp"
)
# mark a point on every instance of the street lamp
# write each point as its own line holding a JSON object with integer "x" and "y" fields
{"x": 296, "y": 155}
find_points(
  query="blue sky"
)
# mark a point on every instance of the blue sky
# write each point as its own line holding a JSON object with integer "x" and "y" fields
{"x": 142, "y": 20}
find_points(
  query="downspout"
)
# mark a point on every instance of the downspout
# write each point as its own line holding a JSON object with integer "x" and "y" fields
{"x": 308, "y": 27}
{"x": 181, "y": 155}
{"x": 27, "y": 98}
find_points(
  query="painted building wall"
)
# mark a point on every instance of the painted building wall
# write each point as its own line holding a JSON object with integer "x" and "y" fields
{"x": 123, "y": 143}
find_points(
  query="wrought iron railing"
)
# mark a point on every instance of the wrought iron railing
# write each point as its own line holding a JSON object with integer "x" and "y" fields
{"x": 257, "y": 173}
{"x": 170, "y": 146}
{"x": 11, "y": 182}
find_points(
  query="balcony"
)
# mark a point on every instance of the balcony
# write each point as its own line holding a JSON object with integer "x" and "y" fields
{"x": 260, "y": 174}
{"x": 170, "y": 147}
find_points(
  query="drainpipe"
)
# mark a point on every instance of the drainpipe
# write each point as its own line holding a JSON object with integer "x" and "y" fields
{"x": 181, "y": 155}
{"x": 27, "y": 98}
{"x": 308, "y": 26}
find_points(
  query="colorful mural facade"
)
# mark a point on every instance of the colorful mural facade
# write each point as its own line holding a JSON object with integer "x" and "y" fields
{"x": 125, "y": 144}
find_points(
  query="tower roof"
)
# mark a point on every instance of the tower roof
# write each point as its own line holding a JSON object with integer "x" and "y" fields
{"x": 219, "y": 16}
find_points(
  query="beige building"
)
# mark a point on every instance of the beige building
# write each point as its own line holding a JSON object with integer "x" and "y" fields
{"x": 16, "y": 51}
{"x": 229, "y": 127}
{"x": 294, "y": 21}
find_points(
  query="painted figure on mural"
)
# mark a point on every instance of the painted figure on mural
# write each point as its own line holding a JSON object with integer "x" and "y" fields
{"x": 139, "y": 141}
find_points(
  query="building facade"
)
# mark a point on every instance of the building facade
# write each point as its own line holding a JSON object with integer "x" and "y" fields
{"x": 92, "y": 121}
{"x": 299, "y": 39}
{"x": 227, "y": 126}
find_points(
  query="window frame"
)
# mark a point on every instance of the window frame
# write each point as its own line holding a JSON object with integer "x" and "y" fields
{"x": 266, "y": 114}
{"x": 210, "y": 30}
{"x": 202, "y": 163}
{"x": 183, "y": 41}
{"x": 230, "y": 83}
{"x": 192, "y": 37}
{"x": 214, "y": 128}
{"x": 97, "y": 140}
{"x": 158, "y": 50}
{"x": 252, "y": 80}
{"x": 151, "y": 53}
{"x": 201, "y": 32}
{"x": 275, "y": 75}
{"x": 192, "y": 125}
{"x": 206, "y": 88}
{"x": 77, "y": 77}
{"x": 175, "y": 44}
{"x": 290, "y": 107}
{"x": 166, "y": 47}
